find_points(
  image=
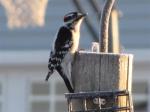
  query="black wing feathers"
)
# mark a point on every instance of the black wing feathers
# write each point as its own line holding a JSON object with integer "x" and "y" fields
{"x": 64, "y": 38}
{"x": 63, "y": 43}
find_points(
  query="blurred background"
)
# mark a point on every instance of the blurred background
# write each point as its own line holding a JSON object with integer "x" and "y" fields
{"x": 27, "y": 30}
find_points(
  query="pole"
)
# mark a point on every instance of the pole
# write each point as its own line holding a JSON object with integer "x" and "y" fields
{"x": 105, "y": 25}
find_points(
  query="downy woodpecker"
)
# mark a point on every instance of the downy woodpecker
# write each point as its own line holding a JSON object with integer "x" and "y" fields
{"x": 64, "y": 47}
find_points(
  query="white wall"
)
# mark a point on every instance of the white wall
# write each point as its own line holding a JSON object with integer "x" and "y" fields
{"x": 19, "y": 70}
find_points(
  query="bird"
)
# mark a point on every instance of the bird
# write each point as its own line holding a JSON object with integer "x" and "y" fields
{"x": 64, "y": 47}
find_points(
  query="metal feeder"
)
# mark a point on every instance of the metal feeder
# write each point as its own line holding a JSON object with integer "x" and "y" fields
{"x": 101, "y": 97}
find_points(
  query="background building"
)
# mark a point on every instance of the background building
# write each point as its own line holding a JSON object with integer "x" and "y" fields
{"x": 24, "y": 54}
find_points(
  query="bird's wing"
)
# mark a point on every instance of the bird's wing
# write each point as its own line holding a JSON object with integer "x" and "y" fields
{"x": 62, "y": 45}
{"x": 64, "y": 40}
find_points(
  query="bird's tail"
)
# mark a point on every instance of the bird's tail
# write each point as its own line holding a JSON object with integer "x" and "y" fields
{"x": 48, "y": 75}
{"x": 65, "y": 78}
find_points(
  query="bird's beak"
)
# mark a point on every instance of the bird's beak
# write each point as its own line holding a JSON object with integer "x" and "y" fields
{"x": 84, "y": 15}
{"x": 81, "y": 16}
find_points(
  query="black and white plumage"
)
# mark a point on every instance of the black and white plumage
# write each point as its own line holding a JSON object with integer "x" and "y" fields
{"x": 65, "y": 45}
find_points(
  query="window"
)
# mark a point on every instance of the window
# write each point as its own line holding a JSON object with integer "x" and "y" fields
{"x": 2, "y": 94}
{"x": 140, "y": 95}
{"x": 47, "y": 96}
{"x": 1, "y": 97}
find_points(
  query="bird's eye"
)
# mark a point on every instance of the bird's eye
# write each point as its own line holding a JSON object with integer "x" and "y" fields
{"x": 67, "y": 18}
{"x": 70, "y": 16}
{"x": 74, "y": 16}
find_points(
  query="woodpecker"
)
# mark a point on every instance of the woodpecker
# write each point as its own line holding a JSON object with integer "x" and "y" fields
{"x": 64, "y": 47}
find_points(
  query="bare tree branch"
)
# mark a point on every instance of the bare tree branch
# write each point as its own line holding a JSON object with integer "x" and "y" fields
{"x": 96, "y": 7}
{"x": 87, "y": 21}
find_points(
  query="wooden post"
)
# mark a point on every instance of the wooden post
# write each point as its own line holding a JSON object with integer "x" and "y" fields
{"x": 101, "y": 72}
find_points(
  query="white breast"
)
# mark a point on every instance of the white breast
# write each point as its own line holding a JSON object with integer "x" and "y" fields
{"x": 76, "y": 37}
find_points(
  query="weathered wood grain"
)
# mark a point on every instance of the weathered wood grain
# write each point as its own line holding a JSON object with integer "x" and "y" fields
{"x": 102, "y": 72}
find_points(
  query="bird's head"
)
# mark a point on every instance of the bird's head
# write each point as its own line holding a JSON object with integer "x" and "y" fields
{"x": 74, "y": 19}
